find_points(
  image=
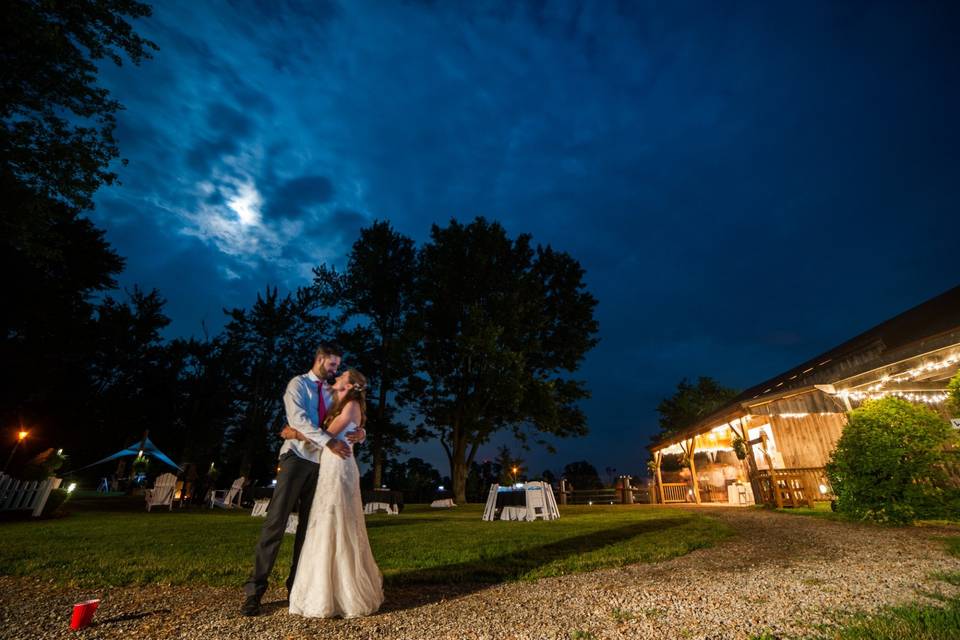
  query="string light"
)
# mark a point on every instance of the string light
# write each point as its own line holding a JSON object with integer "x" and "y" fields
{"x": 922, "y": 370}
{"x": 930, "y": 398}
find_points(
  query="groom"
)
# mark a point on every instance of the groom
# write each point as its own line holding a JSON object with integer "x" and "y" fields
{"x": 307, "y": 400}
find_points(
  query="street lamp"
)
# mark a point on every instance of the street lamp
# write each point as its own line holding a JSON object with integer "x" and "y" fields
{"x": 21, "y": 436}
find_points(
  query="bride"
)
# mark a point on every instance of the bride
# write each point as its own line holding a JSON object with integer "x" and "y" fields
{"x": 337, "y": 575}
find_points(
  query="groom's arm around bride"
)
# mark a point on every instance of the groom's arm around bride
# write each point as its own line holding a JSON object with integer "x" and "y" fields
{"x": 306, "y": 400}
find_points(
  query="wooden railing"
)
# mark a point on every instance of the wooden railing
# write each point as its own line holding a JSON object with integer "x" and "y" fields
{"x": 675, "y": 491}
{"x": 594, "y": 496}
{"x": 793, "y": 487}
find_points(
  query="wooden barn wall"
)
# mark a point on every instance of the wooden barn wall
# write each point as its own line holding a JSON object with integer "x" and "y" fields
{"x": 807, "y": 441}
{"x": 813, "y": 402}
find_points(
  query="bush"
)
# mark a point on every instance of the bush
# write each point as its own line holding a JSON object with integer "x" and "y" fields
{"x": 953, "y": 396}
{"x": 889, "y": 463}
{"x": 43, "y": 465}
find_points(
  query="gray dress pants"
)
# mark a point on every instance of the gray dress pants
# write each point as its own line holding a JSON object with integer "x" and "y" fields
{"x": 296, "y": 484}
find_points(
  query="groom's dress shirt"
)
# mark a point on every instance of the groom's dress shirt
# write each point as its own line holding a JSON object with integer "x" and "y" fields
{"x": 301, "y": 402}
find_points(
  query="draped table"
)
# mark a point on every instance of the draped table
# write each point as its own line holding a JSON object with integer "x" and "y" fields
{"x": 511, "y": 503}
{"x": 385, "y": 499}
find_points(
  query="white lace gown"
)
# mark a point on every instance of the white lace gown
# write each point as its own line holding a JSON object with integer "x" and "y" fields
{"x": 337, "y": 575}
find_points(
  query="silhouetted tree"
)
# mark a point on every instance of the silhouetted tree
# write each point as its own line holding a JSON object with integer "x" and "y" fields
{"x": 133, "y": 375}
{"x": 377, "y": 290}
{"x": 507, "y": 464}
{"x": 56, "y": 145}
{"x": 691, "y": 403}
{"x": 57, "y": 139}
{"x": 582, "y": 475}
{"x": 502, "y": 327}
{"x": 265, "y": 346}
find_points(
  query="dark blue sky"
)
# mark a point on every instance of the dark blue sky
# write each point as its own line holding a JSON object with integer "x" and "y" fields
{"x": 746, "y": 184}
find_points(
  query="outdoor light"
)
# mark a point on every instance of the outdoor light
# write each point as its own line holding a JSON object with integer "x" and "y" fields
{"x": 22, "y": 436}
{"x": 73, "y": 485}
{"x": 590, "y": 502}
{"x": 441, "y": 487}
{"x": 823, "y": 488}
{"x": 59, "y": 452}
{"x": 518, "y": 485}
{"x": 274, "y": 483}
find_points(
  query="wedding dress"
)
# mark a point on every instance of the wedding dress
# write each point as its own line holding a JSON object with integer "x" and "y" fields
{"x": 337, "y": 575}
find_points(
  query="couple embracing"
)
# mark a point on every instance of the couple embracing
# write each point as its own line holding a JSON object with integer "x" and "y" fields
{"x": 333, "y": 572}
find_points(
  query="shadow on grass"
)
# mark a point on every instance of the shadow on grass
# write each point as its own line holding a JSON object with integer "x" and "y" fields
{"x": 426, "y": 586}
{"x": 399, "y": 521}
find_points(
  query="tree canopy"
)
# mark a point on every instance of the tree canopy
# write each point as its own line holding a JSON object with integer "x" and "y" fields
{"x": 502, "y": 326}
{"x": 690, "y": 403}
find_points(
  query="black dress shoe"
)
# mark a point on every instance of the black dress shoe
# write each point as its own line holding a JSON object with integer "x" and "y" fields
{"x": 251, "y": 606}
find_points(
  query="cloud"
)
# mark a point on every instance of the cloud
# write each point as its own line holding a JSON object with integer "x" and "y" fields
{"x": 712, "y": 167}
{"x": 293, "y": 198}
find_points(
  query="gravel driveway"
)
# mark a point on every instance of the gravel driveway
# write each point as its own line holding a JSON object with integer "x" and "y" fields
{"x": 780, "y": 573}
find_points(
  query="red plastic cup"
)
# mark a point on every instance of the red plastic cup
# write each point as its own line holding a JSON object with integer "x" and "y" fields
{"x": 83, "y": 613}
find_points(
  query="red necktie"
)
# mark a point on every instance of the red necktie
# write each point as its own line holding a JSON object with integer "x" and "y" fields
{"x": 321, "y": 406}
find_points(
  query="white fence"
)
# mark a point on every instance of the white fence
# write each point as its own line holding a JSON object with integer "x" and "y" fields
{"x": 21, "y": 495}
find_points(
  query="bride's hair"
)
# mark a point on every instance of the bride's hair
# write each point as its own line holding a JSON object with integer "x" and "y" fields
{"x": 357, "y": 392}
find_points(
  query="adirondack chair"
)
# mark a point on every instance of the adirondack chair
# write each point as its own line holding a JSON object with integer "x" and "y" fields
{"x": 162, "y": 492}
{"x": 228, "y": 498}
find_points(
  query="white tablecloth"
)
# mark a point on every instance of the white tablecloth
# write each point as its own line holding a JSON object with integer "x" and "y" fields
{"x": 373, "y": 507}
{"x": 513, "y": 513}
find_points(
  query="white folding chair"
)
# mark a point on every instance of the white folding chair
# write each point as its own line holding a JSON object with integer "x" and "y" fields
{"x": 491, "y": 507}
{"x": 230, "y": 498}
{"x": 260, "y": 508}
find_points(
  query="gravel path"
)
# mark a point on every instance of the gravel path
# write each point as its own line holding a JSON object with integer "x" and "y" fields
{"x": 780, "y": 573}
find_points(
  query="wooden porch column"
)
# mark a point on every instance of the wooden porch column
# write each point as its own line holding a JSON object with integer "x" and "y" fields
{"x": 690, "y": 449}
{"x": 752, "y": 475}
{"x": 773, "y": 474}
{"x": 658, "y": 457}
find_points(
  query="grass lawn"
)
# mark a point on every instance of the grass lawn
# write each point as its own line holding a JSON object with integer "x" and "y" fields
{"x": 100, "y": 546}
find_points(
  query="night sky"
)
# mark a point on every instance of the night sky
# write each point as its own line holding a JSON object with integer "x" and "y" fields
{"x": 746, "y": 185}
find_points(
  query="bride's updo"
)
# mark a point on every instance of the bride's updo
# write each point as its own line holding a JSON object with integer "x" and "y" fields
{"x": 357, "y": 391}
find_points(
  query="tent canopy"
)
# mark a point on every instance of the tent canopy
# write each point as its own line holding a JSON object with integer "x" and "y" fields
{"x": 148, "y": 448}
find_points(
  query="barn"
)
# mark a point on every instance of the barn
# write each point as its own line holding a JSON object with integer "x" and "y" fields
{"x": 785, "y": 428}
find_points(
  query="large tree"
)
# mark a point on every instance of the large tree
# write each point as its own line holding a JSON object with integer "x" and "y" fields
{"x": 57, "y": 136}
{"x": 133, "y": 375}
{"x": 690, "y": 403}
{"x": 503, "y": 326}
{"x": 376, "y": 296}
{"x": 265, "y": 346}
{"x": 56, "y": 147}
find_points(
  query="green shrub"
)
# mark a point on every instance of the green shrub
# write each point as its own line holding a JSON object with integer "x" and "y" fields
{"x": 889, "y": 463}
{"x": 953, "y": 393}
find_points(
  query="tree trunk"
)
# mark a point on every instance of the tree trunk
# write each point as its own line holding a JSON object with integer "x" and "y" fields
{"x": 458, "y": 472}
{"x": 459, "y": 466}
{"x": 377, "y": 444}
{"x": 377, "y": 467}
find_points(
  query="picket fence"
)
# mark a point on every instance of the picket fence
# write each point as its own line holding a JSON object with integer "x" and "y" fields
{"x": 23, "y": 495}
